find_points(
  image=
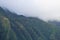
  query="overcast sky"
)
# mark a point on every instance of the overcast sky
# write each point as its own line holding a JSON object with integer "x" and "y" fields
{"x": 44, "y": 9}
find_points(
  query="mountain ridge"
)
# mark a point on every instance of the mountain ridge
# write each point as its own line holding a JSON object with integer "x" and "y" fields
{"x": 19, "y": 27}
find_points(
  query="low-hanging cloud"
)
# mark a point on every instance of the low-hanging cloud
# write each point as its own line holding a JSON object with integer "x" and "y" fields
{"x": 44, "y": 9}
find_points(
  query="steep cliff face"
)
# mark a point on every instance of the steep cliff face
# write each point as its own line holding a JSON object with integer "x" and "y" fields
{"x": 19, "y": 27}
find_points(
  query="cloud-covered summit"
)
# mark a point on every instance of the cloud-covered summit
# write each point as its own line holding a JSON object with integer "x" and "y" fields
{"x": 44, "y": 9}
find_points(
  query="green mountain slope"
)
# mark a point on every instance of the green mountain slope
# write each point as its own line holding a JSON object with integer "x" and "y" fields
{"x": 19, "y": 27}
{"x": 57, "y": 24}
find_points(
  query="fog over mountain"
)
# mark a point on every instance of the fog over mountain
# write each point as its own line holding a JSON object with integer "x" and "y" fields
{"x": 43, "y": 9}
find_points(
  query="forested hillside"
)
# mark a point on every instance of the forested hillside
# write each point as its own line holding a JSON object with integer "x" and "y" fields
{"x": 19, "y": 27}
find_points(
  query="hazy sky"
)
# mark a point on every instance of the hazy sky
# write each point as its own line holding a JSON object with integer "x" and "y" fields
{"x": 44, "y": 9}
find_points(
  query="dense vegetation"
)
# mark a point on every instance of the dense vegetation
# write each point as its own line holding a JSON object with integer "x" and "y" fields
{"x": 19, "y": 27}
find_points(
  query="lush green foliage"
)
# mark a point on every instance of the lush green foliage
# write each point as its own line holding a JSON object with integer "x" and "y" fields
{"x": 19, "y": 27}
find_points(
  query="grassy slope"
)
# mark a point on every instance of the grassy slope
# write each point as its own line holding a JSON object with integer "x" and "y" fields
{"x": 15, "y": 27}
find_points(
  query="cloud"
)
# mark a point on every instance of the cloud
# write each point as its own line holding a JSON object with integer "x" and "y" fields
{"x": 44, "y": 9}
